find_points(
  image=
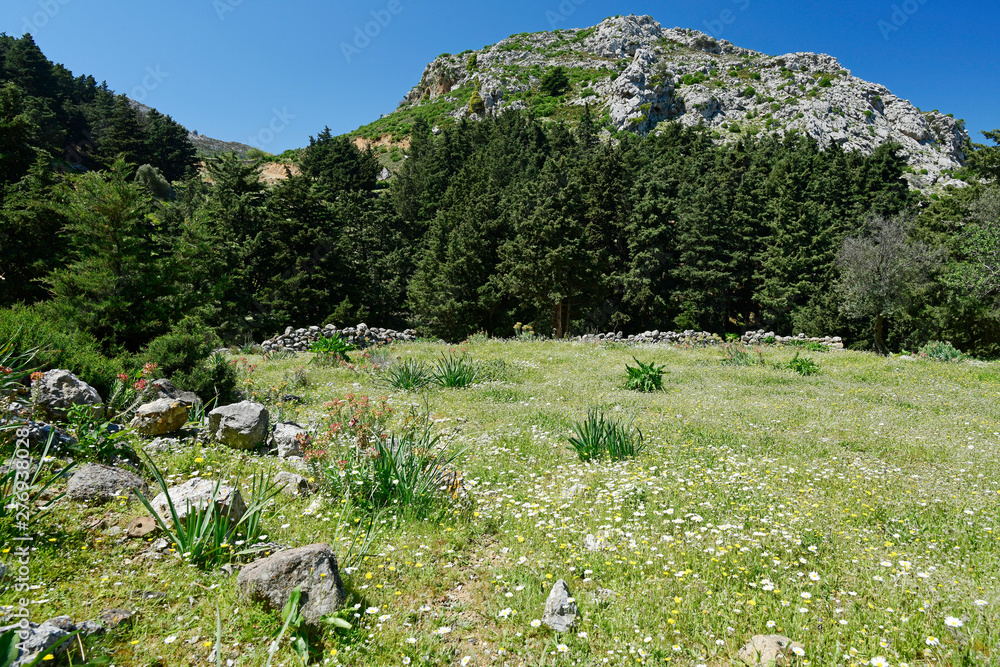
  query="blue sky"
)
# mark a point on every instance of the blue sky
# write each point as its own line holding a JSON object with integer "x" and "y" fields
{"x": 273, "y": 73}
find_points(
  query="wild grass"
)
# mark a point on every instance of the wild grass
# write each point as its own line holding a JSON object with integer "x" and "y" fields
{"x": 855, "y": 511}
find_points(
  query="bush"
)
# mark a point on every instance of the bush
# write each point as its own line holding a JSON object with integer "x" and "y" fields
{"x": 332, "y": 349}
{"x": 803, "y": 365}
{"x": 409, "y": 375}
{"x": 647, "y": 377}
{"x": 941, "y": 351}
{"x": 185, "y": 356}
{"x": 600, "y": 435}
{"x": 456, "y": 371}
{"x": 60, "y": 346}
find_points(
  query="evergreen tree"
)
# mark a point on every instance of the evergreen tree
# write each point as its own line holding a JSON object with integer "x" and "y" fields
{"x": 337, "y": 165}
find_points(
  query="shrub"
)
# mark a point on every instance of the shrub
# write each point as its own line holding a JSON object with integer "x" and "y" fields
{"x": 59, "y": 346}
{"x": 600, "y": 435}
{"x": 647, "y": 377}
{"x": 555, "y": 82}
{"x": 186, "y": 357}
{"x": 476, "y": 104}
{"x": 941, "y": 351}
{"x": 803, "y": 365}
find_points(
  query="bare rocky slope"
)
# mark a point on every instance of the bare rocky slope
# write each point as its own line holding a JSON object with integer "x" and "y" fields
{"x": 636, "y": 75}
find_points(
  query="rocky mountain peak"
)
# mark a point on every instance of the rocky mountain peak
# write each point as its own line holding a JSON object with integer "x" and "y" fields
{"x": 637, "y": 75}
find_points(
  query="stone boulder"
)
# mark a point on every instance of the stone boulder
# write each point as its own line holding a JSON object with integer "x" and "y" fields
{"x": 313, "y": 569}
{"x": 41, "y": 638}
{"x": 59, "y": 390}
{"x": 560, "y": 608}
{"x": 292, "y": 484}
{"x": 95, "y": 483}
{"x": 288, "y": 438}
{"x": 195, "y": 494}
{"x": 768, "y": 651}
{"x": 165, "y": 389}
{"x": 162, "y": 416}
{"x": 241, "y": 425}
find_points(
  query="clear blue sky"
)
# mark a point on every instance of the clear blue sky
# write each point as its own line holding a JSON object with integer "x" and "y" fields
{"x": 232, "y": 68}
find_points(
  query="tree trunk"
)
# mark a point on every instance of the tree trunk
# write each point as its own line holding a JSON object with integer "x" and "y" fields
{"x": 880, "y": 346}
{"x": 557, "y": 319}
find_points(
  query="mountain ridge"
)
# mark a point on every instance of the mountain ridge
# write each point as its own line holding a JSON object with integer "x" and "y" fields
{"x": 636, "y": 75}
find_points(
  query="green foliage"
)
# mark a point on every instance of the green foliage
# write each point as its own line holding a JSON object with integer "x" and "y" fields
{"x": 599, "y": 436}
{"x": 476, "y": 104}
{"x": 408, "y": 375}
{"x": 186, "y": 356}
{"x": 455, "y": 371}
{"x": 23, "y": 488}
{"x": 694, "y": 78}
{"x": 645, "y": 377}
{"x": 332, "y": 349}
{"x": 472, "y": 64}
{"x": 97, "y": 436}
{"x": 803, "y": 365}
{"x": 337, "y": 165}
{"x": 59, "y": 345}
{"x": 941, "y": 351}
{"x": 554, "y": 82}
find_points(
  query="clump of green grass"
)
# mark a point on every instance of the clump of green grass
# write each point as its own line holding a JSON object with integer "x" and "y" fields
{"x": 646, "y": 377}
{"x": 456, "y": 371}
{"x": 409, "y": 375}
{"x": 599, "y": 436}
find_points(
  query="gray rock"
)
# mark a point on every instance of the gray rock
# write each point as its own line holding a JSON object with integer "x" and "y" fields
{"x": 241, "y": 425}
{"x": 162, "y": 416}
{"x": 313, "y": 569}
{"x": 292, "y": 484}
{"x": 288, "y": 438}
{"x": 59, "y": 390}
{"x": 768, "y": 651}
{"x": 165, "y": 389}
{"x": 195, "y": 494}
{"x": 40, "y": 639}
{"x": 112, "y": 617}
{"x": 98, "y": 483}
{"x": 560, "y": 608}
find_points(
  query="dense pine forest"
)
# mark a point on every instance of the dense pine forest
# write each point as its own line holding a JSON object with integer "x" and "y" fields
{"x": 118, "y": 246}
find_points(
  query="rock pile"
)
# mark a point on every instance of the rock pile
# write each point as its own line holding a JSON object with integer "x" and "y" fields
{"x": 361, "y": 336}
{"x": 655, "y": 336}
{"x": 762, "y": 336}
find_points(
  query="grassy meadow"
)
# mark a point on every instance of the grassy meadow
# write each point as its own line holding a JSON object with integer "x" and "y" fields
{"x": 854, "y": 511}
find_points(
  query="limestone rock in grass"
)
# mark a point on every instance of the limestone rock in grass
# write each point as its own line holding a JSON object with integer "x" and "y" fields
{"x": 769, "y": 650}
{"x": 288, "y": 438}
{"x": 141, "y": 526}
{"x": 195, "y": 494}
{"x": 241, "y": 425}
{"x": 560, "y": 608}
{"x": 40, "y": 639}
{"x": 165, "y": 389}
{"x": 59, "y": 390}
{"x": 313, "y": 569}
{"x": 160, "y": 417}
{"x": 98, "y": 483}
{"x": 292, "y": 484}
{"x": 112, "y": 618}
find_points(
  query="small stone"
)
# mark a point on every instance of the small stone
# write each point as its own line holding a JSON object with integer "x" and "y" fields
{"x": 241, "y": 425}
{"x": 100, "y": 483}
{"x": 289, "y": 438}
{"x": 768, "y": 651}
{"x": 560, "y": 608}
{"x": 162, "y": 416}
{"x": 311, "y": 569}
{"x": 141, "y": 526}
{"x": 197, "y": 493}
{"x": 113, "y": 618}
{"x": 58, "y": 391}
{"x": 292, "y": 484}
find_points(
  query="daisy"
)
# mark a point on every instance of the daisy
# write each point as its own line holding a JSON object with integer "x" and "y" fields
{"x": 953, "y": 622}
{"x": 878, "y": 661}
